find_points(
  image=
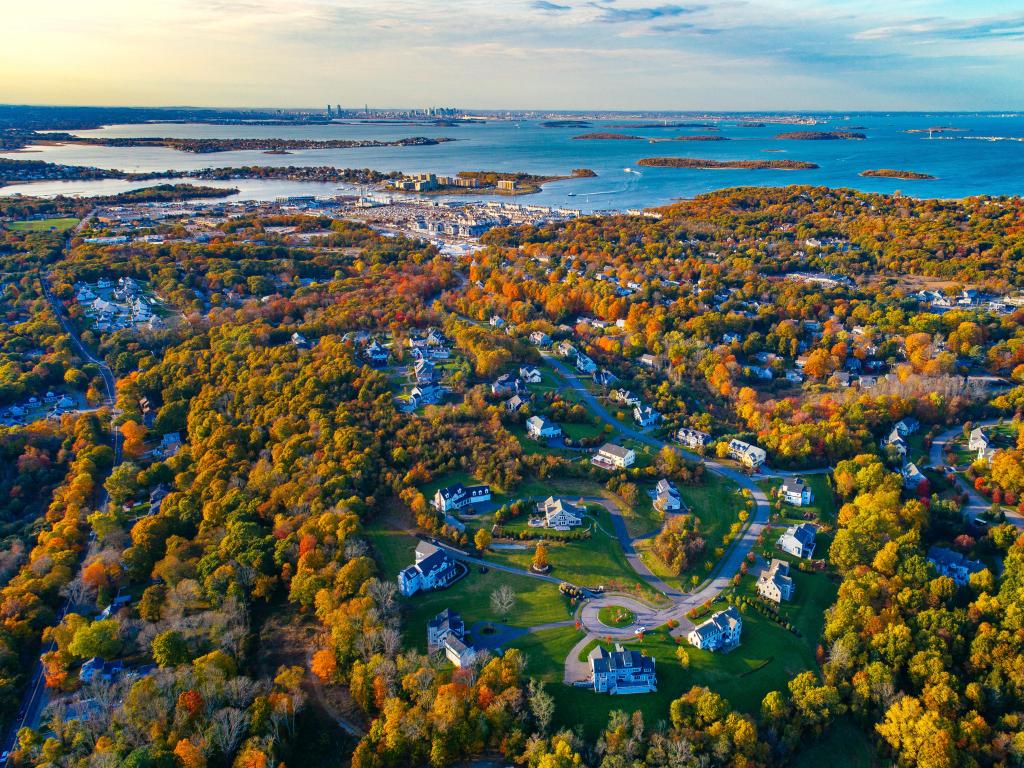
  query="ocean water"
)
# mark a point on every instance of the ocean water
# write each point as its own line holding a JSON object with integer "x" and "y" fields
{"x": 965, "y": 162}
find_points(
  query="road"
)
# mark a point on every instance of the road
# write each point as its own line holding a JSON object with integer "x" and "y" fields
{"x": 36, "y": 696}
{"x": 976, "y": 503}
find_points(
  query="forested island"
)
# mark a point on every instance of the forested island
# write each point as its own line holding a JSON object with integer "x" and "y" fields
{"x": 820, "y": 135}
{"x": 701, "y": 163}
{"x": 891, "y": 173}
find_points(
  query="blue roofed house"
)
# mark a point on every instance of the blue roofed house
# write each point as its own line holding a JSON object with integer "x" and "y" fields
{"x": 433, "y": 569}
{"x": 455, "y": 497}
{"x": 447, "y": 632}
{"x": 953, "y": 564}
{"x": 622, "y": 671}
{"x": 719, "y": 633}
{"x": 798, "y": 540}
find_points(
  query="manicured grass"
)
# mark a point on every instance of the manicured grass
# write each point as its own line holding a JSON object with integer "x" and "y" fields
{"x": 616, "y": 616}
{"x": 717, "y": 503}
{"x": 768, "y": 657}
{"x": 845, "y": 743}
{"x": 597, "y": 561}
{"x": 42, "y": 225}
{"x": 537, "y": 602}
{"x": 814, "y": 593}
{"x": 824, "y": 505}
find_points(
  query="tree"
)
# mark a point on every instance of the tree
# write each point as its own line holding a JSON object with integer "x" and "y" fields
{"x": 542, "y": 705}
{"x": 503, "y": 600}
{"x": 134, "y": 438}
{"x": 170, "y": 649}
{"x": 540, "y": 556}
{"x": 482, "y": 539}
{"x": 324, "y": 665}
{"x": 100, "y": 638}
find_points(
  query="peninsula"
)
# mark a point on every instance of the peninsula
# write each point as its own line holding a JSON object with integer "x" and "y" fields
{"x": 700, "y": 163}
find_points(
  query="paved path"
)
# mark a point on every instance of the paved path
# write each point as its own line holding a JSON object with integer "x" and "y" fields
{"x": 976, "y": 503}
{"x": 727, "y": 567}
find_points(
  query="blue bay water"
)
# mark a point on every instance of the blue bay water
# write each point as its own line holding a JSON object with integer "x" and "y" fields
{"x": 963, "y": 163}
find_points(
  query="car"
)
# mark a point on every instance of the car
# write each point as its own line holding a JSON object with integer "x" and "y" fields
{"x": 640, "y": 630}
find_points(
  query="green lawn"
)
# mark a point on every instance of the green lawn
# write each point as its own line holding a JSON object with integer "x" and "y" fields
{"x": 824, "y": 505}
{"x": 616, "y": 616}
{"x": 538, "y": 602}
{"x": 591, "y": 562}
{"x": 43, "y": 225}
{"x": 813, "y": 595}
{"x": 766, "y": 660}
{"x": 844, "y": 739}
{"x": 717, "y": 503}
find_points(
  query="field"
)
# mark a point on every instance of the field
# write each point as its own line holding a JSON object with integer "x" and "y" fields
{"x": 767, "y": 659}
{"x": 537, "y": 602}
{"x": 42, "y": 225}
{"x": 717, "y": 504}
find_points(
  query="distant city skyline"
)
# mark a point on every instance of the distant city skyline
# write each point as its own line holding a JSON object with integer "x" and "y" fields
{"x": 519, "y": 54}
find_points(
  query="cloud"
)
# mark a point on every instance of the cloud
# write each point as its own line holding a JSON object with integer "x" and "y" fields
{"x": 615, "y": 15}
{"x": 990, "y": 28}
{"x": 544, "y": 5}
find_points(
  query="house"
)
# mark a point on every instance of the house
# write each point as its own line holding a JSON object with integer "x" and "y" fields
{"x": 621, "y": 671}
{"x": 651, "y": 361}
{"x": 980, "y": 444}
{"x": 540, "y": 428}
{"x": 719, "y": 633}
{"x": 666, "y": 496}
{"x": 624, "y": 396}
{"x": 797, "y": 492}
{"x": 375, "y": 353}
{"x": 560, "y": 515}
{"x": 516, "y": 403}
{"x": 747, "y": 454}
{"x": 170, "y": 443}
{"x": 798, "y": 540}
{"x": 96, "y": 667}
{"x": 604, "y": 378}
{"x": 584, "y": 364}
{"x": 565, "y": 349}
{"x": 907, "y": 426}
{"x": 894, "y": 441}
{"x": 693, "y": 439}
{"x": 506, "y": 384}
{"x": 447, "y": 632}
{"x": 427, "y": 394}
{"x": 775, "y": 583}
{"x": 300, "y": 341}
{"x": 953, "y": 564}
{"x": 912, "y": 476}
{"x": 612, "y": 456}
{"x": 530, "y": 375}
{"x": 433, "y": 569}
{"x": 424, "y": 372}
{"x": 645, "y": 416}
{"x": 794, "y": 377}
{"x": 497, "y": 322}
{"x": 760, "y": 372}
{"x": 730, "y": 338}
{"x": 539, "y": 339}
{"x": 459, "y": 496}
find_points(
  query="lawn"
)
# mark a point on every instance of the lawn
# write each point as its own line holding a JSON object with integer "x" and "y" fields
{"x": 42, "y": 225}
{"x": 616, "y": 616}
{"x": 824, "y": 504}
{"x": 717, "y": 503}
{"x": 597, "y": 561}
{"x": 537, "y": 602}
{"x": 767, "y": 659}
{"x": 814, "y": 593}
{"x": 845, "y": 739}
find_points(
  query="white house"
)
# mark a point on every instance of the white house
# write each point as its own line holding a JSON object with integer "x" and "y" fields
{"x": 530, "y": 375}
{"x": 719, "y": 633}
{"x": 539, "y": 339}
{"x": 540, "y": 428}
{"x": 775, "y": 583}
{"x": 459, "y": 496}
{"x": 798, "y": 540}
{"x": 621, "y": 671}
{"x": 666, "y": 496}
{"x": 980, "y": 444}
{"x": 747, "y": 454}
{"x": 560, "y": 515}
{"x": 912, "y": 476}
{"x": 584, "y": 364}
{"x": 645, "y": 416}
{"x": 797, "y": 492}
{"x": 693, "y": 439}
{"x": 624, "y": 396}
{"x": 433, "y": 569}
{"x": 447, "y": 632}
{"x": 612, "y": 456}
{"x": 506, "y": 384}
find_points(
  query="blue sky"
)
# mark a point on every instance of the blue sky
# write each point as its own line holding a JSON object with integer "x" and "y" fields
{"x": 546, "y": 54}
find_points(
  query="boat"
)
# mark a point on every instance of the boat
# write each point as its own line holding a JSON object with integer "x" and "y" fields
{"x": 570, "y": 194}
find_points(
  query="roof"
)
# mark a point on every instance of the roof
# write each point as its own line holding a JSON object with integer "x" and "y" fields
{"x": 603, "y": 660}
{"x": 794, "y": 485}
{"x": 447, "y": 619}
{"x": 804, "y": 533}
{"x": 615, "y": 450}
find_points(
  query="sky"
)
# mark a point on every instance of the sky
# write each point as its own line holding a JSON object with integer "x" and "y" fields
{"x": 518, "y": 54}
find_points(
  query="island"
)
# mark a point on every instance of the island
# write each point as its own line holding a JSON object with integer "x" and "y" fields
{"x": 703, "y": 164}
{"x": 607, "y": 137}
{"x": 565, "y": 124}
{"x": 891, "y": 173}
{"x": 471, "y": 182}
{"x": 820, "y": 135}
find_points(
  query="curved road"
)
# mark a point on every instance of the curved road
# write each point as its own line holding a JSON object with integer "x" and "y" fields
{"x": 976, "y": 503}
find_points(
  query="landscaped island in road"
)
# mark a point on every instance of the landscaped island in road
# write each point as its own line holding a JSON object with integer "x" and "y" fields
{"x": 704, "y": 164}
{"x": 820, "y": 135}
{"x": 891, "y": 173}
